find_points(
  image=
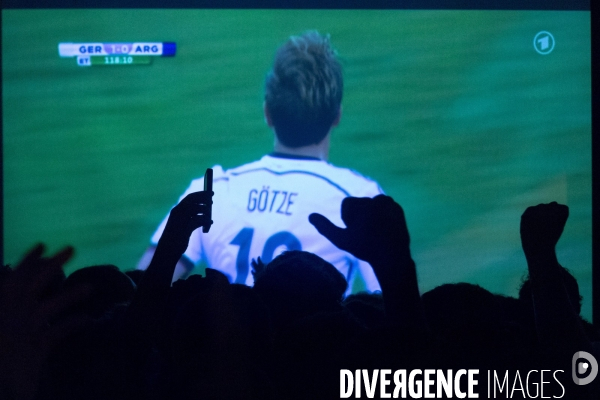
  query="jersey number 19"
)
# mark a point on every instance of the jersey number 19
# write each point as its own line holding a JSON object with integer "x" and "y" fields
{"x": 244, "y": 240}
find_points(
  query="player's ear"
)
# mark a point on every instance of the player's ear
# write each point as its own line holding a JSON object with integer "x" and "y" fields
{"x": 267, "y": 115}
{"x": 336, "y": 121}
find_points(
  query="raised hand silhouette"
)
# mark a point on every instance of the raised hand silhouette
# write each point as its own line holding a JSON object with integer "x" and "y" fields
{"x": 375, "y": 228}
{"x": 185, "y": 218}
{"x": 149, "y": 301}
{"x": 541, "y": 228}
{"x": 376, "y": 232}
{"x": 558, "y": 325}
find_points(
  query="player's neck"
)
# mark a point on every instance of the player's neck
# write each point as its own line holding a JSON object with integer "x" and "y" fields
{"x": 320, "y": 150}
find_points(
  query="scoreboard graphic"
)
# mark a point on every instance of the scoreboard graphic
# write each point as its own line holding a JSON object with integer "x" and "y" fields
{"x": 138, "y": 53}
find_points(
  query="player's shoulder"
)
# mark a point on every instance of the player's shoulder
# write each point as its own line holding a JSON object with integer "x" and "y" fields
{"x": 356, "y": 183}
{"x": 267, "y": 164}
{"x": 350, "y": 182}
{"x": 225, "y": 175}
{"x": 248, "y": 167}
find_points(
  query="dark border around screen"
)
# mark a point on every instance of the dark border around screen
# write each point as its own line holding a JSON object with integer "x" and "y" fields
{"x": 595, "y": 165}
{"x": 581, "y": 5}
{"x": 563, "y": 5}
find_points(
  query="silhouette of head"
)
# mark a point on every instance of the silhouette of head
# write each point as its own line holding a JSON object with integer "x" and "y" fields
{"x": 297, "y": 283}
{"x": 463, "y": 314}
{"x": 110, "y": 287}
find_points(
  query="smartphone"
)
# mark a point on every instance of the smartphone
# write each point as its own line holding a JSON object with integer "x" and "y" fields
{"x": 208, "y": 187}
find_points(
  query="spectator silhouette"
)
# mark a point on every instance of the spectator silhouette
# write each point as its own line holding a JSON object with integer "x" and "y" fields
{"x": 35, "y": 315}
{"x": 93, "y": 335}
{"x": 297, "y": 284}
{"x": 110, "y": 287}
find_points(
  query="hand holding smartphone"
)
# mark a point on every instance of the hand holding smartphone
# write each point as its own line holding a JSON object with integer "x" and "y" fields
{"x": 208, "y": 187}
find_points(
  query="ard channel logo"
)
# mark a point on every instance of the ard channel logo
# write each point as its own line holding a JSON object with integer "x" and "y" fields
{"x": 437, "y": 384}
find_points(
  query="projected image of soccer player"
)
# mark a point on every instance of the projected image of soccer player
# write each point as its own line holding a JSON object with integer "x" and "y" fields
{"x": 261, "y": 209}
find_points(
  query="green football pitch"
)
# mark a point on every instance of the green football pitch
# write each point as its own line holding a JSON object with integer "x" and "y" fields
{"x": 454, "y": 113}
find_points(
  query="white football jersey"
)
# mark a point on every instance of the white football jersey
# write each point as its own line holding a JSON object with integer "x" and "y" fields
{"x": 261, "y": 209}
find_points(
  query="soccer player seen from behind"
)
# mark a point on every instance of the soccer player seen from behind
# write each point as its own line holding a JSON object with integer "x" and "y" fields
{"x": 261, "y": 209}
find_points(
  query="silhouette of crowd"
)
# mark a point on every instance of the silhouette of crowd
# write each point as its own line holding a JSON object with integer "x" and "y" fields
{"x": 103, "y": 334}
